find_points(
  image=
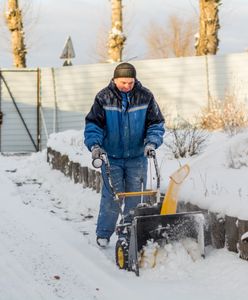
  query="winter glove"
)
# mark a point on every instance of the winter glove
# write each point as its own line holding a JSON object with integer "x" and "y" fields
{"x": 96, "y": 152}
{"x": 149, "y": 150}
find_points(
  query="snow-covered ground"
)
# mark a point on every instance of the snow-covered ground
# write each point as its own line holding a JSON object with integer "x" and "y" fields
{"x": 47, "y": 231}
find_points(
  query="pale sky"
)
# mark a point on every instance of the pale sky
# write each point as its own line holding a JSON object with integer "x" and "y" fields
{"x": 50, "y": 22}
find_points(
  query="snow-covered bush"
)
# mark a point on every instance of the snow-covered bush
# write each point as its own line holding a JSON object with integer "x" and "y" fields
{"x": 185, "y": 140}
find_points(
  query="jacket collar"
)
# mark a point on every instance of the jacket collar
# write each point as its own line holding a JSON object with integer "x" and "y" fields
{"x": 113, "y": 88}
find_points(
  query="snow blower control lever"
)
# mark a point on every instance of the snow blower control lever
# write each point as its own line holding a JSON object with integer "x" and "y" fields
{"x": 97, "y": 163}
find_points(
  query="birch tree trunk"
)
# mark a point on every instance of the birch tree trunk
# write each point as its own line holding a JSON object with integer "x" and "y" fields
{"x": 207, "y": 42}
{"x": 116, "y": 36}
{"x": 14, "y": 22}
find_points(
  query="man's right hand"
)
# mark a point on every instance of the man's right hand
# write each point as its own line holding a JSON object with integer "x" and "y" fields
{"x": 149, "y": 150}
{"x": 96, "y": 152}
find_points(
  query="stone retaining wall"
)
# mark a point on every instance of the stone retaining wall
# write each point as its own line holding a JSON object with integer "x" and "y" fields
{"x": 220, "y": 231}
{"x": 89, "y": 178}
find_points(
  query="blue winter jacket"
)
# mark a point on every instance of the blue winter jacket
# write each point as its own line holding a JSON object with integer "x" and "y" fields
{"x": 123, "y": 123}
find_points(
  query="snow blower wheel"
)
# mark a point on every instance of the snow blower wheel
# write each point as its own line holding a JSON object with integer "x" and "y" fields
{"x": 121, "y": 254}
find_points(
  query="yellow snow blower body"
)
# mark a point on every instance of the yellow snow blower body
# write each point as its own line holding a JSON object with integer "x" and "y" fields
{"x": 157, "y": 223}
{"x": 169, "y": 205}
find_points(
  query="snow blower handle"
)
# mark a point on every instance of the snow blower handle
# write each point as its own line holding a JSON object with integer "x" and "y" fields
{"x": 97, "y": 163}
{"x": 156, "y": 169}
{"x": 153, "y": 166}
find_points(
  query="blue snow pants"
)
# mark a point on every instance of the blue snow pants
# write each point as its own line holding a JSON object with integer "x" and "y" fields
{"x": 127, "y": 175}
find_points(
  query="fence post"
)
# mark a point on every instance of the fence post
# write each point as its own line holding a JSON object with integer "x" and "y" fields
{"x": 38, "y": 111}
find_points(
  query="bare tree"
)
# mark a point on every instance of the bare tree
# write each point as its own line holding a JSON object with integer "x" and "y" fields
{"x": 156, "y": 39}
{"x": 174, "y": 40}
{"x": 13, "y": 17}
{"x": 116, "y": 36}
{"x": 207, "y": 40}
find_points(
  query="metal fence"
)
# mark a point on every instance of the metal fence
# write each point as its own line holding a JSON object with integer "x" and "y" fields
{"x": 37, "y": 102}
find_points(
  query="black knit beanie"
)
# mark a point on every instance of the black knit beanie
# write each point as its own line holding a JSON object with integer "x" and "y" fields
{"x": 125, "y": 70}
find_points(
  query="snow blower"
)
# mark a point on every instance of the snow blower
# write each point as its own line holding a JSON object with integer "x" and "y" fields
{"x": 154, "y": 219}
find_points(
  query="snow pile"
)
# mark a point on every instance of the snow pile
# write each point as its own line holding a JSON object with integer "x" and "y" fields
{"x": 212, "y": 183}
{"x": 238, "y": 152}
{"x": 173, "y": 259}
{"x": 70, "y": 143}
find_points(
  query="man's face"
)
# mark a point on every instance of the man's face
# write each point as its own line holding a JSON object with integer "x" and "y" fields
{"x": 124, "y": 84}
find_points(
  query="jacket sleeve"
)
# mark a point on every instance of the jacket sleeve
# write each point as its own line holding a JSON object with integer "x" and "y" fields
{"x": 154, "y": 124}
{"x": 94, "y": 125}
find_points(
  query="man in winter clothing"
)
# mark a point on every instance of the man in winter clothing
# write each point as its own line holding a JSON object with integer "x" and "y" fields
{"x": 126, "y": 123}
